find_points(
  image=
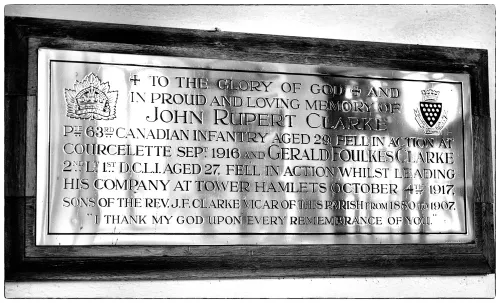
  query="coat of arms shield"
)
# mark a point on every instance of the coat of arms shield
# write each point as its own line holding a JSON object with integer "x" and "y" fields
{"x": 430, "y": 115}
{"x": 431, "y": 112}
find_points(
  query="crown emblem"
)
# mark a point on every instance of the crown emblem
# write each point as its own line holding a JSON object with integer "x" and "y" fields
{"x": 91, "y": 99}
{"x": 430, "y": 116}
{"x": 430, "y": 95}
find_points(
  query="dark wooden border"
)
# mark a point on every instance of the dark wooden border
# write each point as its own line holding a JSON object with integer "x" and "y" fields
{"x": 24, "y": 261}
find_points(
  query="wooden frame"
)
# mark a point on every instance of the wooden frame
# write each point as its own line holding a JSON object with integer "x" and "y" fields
{"x": 24, "y": 261}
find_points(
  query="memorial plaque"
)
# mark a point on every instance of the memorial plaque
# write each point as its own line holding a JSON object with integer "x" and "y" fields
{"x": 144, "y": 153}
{"x": 155, "y": 150}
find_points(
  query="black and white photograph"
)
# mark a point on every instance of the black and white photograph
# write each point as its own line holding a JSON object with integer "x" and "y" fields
{"x": 249, "y": 151}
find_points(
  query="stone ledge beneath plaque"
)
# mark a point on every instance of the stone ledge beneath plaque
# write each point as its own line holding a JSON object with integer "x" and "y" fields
{"x": 345, "y": 287}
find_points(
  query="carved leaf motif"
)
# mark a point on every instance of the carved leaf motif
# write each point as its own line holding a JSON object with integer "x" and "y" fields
{"x": 70, "y": 95}
{"x": 102, "y": 89}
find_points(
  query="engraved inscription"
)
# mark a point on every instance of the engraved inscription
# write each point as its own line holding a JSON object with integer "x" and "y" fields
{"x": 146, "y": 153}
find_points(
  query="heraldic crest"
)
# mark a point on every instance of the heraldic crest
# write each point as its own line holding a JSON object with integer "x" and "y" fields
{"x": 430, "y": 115}
{"x": 91, "y": 99}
